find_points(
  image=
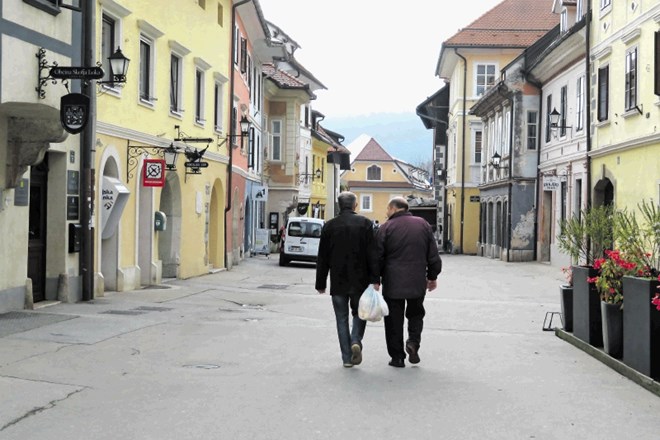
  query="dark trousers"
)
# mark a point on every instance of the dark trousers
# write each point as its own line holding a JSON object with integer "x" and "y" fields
{"x": 413, "y": 310}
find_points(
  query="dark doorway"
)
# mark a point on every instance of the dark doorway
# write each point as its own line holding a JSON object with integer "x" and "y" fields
{"x": 37, "y": 229}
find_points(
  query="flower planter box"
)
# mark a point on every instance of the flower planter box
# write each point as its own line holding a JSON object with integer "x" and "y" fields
{"x": 587, "y": 320}
{"x": 566, "y": 300}
{"x": 612, "y": 329}
{"x": 641, "y": 326}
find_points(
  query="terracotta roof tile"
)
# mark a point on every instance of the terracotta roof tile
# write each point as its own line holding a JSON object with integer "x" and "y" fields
{"x": 511, "y": 23}
{"x": 281, "y": 78}
{"x": 372, "y": 151}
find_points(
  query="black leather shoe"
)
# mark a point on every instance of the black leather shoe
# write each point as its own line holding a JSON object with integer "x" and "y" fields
{"x": 412, "y": 350}
{"x": 398, "y": 363}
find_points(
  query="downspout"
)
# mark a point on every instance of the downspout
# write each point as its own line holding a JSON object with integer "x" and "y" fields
{"x": 463, "y": 147}
{"x": 511, "y": 178}
{"x": 232, "y": 122}
{"x": 539, "y": 86}
{"x": 588, "y": 115}
{"x": 88, "y": 141}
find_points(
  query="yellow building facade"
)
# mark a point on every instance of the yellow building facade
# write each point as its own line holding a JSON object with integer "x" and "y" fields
{"x": 625, "y": 164}
{"x": 176, "y": 95}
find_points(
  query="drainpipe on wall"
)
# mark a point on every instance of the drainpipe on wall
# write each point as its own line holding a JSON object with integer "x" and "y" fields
{"x": 510, "y": 189}
{"x": 232, "y": 122}
{"x": 539, "y": 86}
{"x": 463, "y": 147}
{"x": 87, "y": 142}
{"x": 588, "y": 115}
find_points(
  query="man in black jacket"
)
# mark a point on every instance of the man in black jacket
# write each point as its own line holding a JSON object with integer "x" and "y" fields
{"x": 347, "y": 251}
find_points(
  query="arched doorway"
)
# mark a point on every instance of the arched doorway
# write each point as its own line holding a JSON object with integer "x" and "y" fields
{"x": 169, "y": 240}
{"x": 604, "y": 192}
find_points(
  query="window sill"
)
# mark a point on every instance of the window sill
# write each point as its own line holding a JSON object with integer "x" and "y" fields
{"x": 178, "y": 114}
{"x": 149, "y": 104}
{"x": 45, "y": 6}
{"x": 630, "y": 113}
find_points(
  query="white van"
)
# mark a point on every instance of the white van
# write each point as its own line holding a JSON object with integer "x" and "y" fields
{"x": 301, "y": 240}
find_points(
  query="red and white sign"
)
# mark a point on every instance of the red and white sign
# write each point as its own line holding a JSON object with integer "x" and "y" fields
{"x": 153, "y": 172}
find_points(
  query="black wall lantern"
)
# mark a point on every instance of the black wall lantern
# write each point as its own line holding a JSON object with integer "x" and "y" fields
{"x": 309, "y": 176}
{"x": 495, "y": 160}
{"x": 118, "y": 68}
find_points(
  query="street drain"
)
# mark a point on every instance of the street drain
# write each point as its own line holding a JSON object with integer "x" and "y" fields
{"x": 123, "y": 312}
{"x": 153, "y": 309}
{"x": 273, "y": 286}
{"x": 203, "y": 366}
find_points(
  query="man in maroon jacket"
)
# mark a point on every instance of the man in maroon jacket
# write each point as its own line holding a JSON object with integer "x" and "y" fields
{"x": 409, "y": 266}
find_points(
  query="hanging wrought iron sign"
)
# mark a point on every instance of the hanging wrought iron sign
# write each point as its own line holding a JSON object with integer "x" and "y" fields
{"x": 74, "y": 112}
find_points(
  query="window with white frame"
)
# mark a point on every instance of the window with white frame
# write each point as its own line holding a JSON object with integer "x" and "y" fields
{"x": 498, "y": 134}
{"x": 579, "y": 10}
{"x": 656, "y": 87}
{"x": 485, "y": 77}
{"x": 147, "y": 77}
{"x": 605, "y": 3}
{"x": 201, "y": 67}
{"x": 218, "y": 99}
{"x": 579, "y": 104}
{"x": 548, "y": 110}
{"x": 365, "y": 202}
{"x": 506, "y": 132}
{"x": 199, "y": 96}
{"x": 237, "y": 41}
{"x": 374, "y": 173}
{"x": 108, "y": 42}
{"x": 603, "y": 93}
{"x": 146, "y": 69}
{"x": 176, "y": 72}
{"x": 276, "y": 139}
{"x": 477, "y": 139}
{"x": 532, "y": 129}
{"x": 631, "y": 79}
{"x": 563, "y": 110}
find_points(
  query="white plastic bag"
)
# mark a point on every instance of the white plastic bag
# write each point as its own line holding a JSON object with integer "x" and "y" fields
{"x": 372, "y": 306}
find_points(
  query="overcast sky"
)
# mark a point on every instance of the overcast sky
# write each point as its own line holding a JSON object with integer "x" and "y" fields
{"x": 372, "y": 55}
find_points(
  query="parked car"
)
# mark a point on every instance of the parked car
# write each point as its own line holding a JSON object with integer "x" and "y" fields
{"x": 301, "y": 239}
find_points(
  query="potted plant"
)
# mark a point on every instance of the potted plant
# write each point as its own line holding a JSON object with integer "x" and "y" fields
{"x": 582, "y": 237}
{"x": 566, "y": 299}
{"x": 609, "y": 284}
{"x": 641, "y": 322}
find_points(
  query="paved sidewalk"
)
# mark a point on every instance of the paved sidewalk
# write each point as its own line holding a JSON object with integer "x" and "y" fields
{"x": 252, "y": 354}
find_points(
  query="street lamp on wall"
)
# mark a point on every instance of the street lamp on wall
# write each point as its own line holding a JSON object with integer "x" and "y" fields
{"x": 554, "y": 122}
{"x": 305, "y": 177}
{"x": 118, "y": 68}
{"x": 495, "y": 160}
{"x": 245, "y": 132}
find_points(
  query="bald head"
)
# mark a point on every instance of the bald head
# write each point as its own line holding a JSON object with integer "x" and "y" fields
{"x": 398, "y": 203}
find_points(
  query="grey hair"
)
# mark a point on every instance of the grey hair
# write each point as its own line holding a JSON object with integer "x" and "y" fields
{"x": 346, "y": 200}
